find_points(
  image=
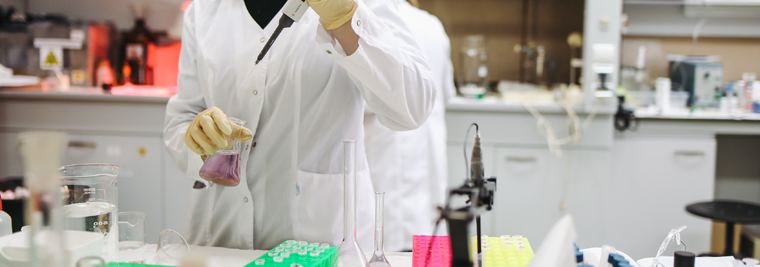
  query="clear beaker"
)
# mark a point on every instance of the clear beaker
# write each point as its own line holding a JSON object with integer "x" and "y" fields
{"x": 223, "y": 168}
{"x": 132, "y": 237}
{"x": 473, "y": 77}
{"x": 171, "y": 248}
{"x": 349, "y": 253}
{"x": 90, "y": 202}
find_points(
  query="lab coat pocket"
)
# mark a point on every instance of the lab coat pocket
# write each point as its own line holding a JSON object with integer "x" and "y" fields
{"x": 319, "y": 202}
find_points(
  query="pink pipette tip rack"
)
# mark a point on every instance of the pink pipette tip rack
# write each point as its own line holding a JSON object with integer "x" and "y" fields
{"x": 440, "y": 251}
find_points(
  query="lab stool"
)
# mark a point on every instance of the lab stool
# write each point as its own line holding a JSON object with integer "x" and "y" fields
{"x": 729, "y": 211}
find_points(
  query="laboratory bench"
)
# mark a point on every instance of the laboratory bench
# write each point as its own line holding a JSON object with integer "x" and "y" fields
{"x": 122, "y": 127}
{"x": 625, "y": 189}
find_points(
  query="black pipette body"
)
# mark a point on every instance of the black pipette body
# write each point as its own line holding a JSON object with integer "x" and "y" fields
{"x": 285, "y": 22}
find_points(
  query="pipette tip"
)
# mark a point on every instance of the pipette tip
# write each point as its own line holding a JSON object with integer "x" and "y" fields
{"x": 257, "y": 62}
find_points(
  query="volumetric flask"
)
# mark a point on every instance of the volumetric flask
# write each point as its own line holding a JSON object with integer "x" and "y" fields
{"x": 132, "y": 237}
{"x": 473, "y": 77}
{"x": 223, "y": 168}
{"x": 171, "y": 248}
{"x": 90, "y": 202}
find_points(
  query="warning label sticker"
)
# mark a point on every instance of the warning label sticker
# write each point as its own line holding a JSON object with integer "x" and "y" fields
{"x": 51, "y": 58}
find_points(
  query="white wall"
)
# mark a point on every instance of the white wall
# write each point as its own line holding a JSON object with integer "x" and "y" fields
{"x": 160, "y": 14}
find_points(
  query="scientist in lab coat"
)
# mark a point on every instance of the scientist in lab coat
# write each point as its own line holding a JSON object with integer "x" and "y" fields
{"x": 300, "y": 103}
{"x": 410, "y": 166}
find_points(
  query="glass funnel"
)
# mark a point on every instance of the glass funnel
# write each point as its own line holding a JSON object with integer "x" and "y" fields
{"x": 349, "y": 253}
{"x": 90, "y": 202}
{"x": 378, "y": 258}
{"x": 223, "y": 168}
{"x": 171, "y": 249}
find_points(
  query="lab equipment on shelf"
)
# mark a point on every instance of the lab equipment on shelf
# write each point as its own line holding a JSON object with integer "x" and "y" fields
{"x": 431, "y": 251}
{"x": 132, "y": 237}
{"x": 311, "y": 255}
{"x": 223, "y": 168}
{"x": 505, "y": 251}
{"x": 349, "y": 253}
{"x": 378, "y": 257}
{"x": 90, "y": 202}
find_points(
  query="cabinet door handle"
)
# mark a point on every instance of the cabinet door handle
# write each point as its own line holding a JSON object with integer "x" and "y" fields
{"x": 692, "y": 153}
{"x": 82, "y": 144}
{"x": 521, "y": 159}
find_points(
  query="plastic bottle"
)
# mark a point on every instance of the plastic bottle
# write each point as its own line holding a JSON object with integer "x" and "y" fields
{"x": 5, "y": 222}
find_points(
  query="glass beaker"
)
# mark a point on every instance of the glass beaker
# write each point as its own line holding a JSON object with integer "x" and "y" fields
{"x": 473, "y": 74}
{"x": 171, "y": 249}
{"x": 90, "y": 202}
{"x": 378, "y": 258}
{"x": 132, "y": 237}
{"x": 223, "y": 168}
{"x": 349, "y": 253}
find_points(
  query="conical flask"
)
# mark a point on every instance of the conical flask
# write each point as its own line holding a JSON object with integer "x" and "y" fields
{"x": 378, "y": 258}
{"x": 349, "y": 254}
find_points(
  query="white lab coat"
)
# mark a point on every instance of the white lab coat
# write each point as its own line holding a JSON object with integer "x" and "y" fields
{"x": 410, "y": 166}
{"x": 301, "y": 102}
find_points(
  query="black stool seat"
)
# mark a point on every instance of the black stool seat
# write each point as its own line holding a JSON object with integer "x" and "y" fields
{"x": 729, "y": 211}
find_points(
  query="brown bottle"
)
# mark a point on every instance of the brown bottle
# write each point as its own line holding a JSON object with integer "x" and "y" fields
{"x": 136, "y": 43}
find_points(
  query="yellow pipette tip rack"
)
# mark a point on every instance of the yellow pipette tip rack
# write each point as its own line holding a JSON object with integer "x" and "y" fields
{"x": 504, "y": 251}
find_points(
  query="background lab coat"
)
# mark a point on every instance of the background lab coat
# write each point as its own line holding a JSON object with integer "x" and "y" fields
{"x": 410, "y": 166}
{"x": 301, "y": 102}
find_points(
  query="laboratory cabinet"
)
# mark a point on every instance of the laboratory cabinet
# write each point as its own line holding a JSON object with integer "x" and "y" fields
{"x": 654, "y": 178}
{"x": 531, "y": 181}
{"x": 106, "y": 129}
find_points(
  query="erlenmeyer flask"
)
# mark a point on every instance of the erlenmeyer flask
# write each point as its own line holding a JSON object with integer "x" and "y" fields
{"x": 378, "y": 258}
{"x": 349, "y": 254}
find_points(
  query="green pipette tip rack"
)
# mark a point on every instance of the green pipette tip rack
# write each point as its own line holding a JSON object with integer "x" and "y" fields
{"x": 315, "y": 255}
{"x": 121, "y": 264}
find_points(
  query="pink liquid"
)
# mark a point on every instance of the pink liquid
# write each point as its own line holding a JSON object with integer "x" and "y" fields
{"x": 222, "y": 169}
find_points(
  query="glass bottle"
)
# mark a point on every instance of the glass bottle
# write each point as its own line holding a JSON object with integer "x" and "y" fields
{"x": 349, "y": 253}
{"x": 223, "y": 168}
{"x": 378, "y": 258}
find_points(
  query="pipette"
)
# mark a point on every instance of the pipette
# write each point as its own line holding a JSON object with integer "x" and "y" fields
{"x": 291, "y": 12}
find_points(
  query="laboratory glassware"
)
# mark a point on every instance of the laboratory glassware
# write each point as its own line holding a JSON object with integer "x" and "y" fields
{"x": 91, "y": 202}
{"x": 132, "y": 237}
{"x": 171, "y": 248}
{"x": 41, "y": 152}
{"x": 91, "y": 261}
{"x": 6, "y": 228}
{"x": 349, "y": 253}
{"x": 473, "y": 77}
{"x": 378, "y": 258}
{"x": 223, "y": 168}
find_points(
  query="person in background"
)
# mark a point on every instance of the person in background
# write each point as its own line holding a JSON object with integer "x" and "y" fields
{"x": 410, "y": 166}
{"x": 300, "y": 103}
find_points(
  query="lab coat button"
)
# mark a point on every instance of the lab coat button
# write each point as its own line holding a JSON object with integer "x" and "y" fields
{"x": 255, "y": 92}
{"x": 358, "y": 23}
{"x": 263, "y": 39}
{"x": 245, "y": 199}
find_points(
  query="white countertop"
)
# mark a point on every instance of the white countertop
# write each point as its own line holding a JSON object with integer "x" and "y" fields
{"x": 149, "y": 94}
{"x": 497, "y": 104}
{"x": 684, "y": 114}
{"x": 226, "y": 257}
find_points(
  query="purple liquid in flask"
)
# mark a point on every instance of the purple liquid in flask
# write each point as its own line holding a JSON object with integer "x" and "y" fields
{"x": 223, "y": 168}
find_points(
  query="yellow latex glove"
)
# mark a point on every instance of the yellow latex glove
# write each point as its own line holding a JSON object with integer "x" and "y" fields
{"x": 334, "y": 13}
{"x": 211, "y": 130}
